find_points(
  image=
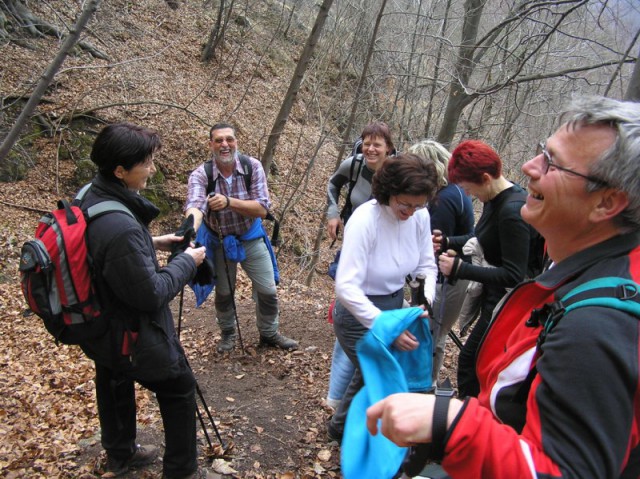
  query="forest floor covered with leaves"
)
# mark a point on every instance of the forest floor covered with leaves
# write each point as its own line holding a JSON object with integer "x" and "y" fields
{"x": 268, "y": 404}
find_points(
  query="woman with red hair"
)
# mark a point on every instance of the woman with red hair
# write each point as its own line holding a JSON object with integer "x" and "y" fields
{"x": 502, "y": 234}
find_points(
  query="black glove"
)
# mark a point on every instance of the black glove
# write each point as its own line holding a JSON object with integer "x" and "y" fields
{"x": 188, "y": 234}
{"x": 206, "y": 273}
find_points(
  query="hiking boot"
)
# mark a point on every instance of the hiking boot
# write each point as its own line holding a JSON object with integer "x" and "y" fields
{"x": 143, "y": 456}
{"x": 227, "y": 342}
{"x": 279, "y": 341}
{"x": 199, "y": 474}
{"x": 333, "y": 434}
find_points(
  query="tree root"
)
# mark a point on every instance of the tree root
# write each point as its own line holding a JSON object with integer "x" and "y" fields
{"x": 13, "y": 13}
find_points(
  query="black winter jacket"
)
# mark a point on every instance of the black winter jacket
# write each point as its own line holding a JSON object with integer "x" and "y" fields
{"x": 134, "y": 290}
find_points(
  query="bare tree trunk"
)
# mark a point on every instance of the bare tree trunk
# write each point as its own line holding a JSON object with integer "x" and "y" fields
{"x": 293, "y": 9}
{"x": 622, "y": 61}
{"x": 347, "y": 133}
{"x": 436, "y": 70}
{"x": 633, "y": 90}
{"x": 294, "y": 86}
{"x": 458, "y": 98}
{"x": 46, "y": 78}
{"x": 214, "y": 36}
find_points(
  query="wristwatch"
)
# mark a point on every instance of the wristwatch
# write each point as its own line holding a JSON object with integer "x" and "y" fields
{"x": 419, "y": 455}
{"x": 443, "y": 394}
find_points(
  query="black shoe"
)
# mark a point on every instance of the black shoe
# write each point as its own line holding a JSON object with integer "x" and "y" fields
{"x": 333, "y": 434}
{"x": 279, "y": 341}
{"x": 143, "y": 456}
{"x": 227, "y": 342}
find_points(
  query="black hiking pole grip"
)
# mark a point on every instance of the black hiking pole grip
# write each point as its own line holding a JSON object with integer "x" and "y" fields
{"x": 232, "y": 287}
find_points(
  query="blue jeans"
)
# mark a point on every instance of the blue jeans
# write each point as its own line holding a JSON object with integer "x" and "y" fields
{"x": 259, "y": 268}
{"x": 341, "y": 373}
{"x": 348, "y": 331}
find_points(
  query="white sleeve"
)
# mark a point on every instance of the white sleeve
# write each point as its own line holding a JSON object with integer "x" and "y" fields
{"x": 357, "y": 246}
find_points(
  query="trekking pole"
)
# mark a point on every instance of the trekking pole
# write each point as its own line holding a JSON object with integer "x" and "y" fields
{"x": 180, "y": 311}
{"x": 210, "y": 416}
{"x": 443, "y": 291}
{"x": 204, "y": 427}
{"x": 198, "y": 391}
{"x": 232, "y": 288}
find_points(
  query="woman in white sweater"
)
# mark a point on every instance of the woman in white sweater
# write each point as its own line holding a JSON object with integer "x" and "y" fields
{"x": 386, "y": 239}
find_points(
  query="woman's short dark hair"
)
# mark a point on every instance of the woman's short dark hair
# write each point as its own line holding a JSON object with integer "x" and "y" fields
{"x": 406, "y": 174}
{"x": 123, "y": 144}
{"x": 381, "y": 129}
{"x": 471, "y": 159}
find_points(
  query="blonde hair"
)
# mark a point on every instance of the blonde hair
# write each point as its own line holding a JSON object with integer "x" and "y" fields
{"x": 435, "y": 153}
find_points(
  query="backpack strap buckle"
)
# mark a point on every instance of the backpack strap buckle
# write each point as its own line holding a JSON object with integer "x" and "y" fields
{"x": 626, "y": 292}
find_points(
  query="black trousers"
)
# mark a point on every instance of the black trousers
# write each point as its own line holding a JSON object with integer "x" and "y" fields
{"x": 468, "y": 383}
{"x": 117, "y": 412}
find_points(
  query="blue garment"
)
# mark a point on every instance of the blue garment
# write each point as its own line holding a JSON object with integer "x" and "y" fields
{"x": 452, "y": 211}
{"x": 386, "y": 371}
{"x": 234, "y": 251}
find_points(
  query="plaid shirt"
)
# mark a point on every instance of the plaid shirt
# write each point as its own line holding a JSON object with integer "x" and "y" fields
{"x": 231, "y": 223}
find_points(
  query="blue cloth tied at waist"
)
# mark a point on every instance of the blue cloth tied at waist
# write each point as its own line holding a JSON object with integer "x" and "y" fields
{"x": 385, "y": 371}
{"x": 233, "y": 250}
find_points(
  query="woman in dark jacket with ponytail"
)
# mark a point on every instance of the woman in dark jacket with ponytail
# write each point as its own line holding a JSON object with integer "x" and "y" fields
{"x": 134, "y": 290}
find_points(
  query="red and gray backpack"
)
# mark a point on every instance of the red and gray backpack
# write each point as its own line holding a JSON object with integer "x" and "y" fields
{"x": 56, "y": 274}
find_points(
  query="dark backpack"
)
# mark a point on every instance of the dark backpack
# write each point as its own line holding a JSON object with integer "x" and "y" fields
{"x": 248, "y": 171}
{"x": 609, "y": 292}
{"x": 56, "y": 276}
{"x": 356, "y": 166}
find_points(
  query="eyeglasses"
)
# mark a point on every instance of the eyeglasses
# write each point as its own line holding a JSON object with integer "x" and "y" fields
{"x": 405, "y": 207}
{"x": 548, "y": 163}
{"x": 229, "y": 139}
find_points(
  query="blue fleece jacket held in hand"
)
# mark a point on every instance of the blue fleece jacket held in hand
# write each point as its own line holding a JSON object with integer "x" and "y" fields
{"x": 234, "y": 251}
{"x": 385, "y": 371}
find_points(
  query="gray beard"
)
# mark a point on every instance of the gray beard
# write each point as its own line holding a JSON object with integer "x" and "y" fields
{"x": 225, "y": 161}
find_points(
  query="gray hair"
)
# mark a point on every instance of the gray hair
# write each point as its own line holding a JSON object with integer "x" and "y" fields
{"x": 435, "y": 153}
{"x": 618, "y": 166}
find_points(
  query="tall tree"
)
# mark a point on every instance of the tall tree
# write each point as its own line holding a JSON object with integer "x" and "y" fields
{"x": 633, "y": 90}
{"x": 294, "y": 86}
{"x": 45, "y": 80}
{"x": 347, "y": 132}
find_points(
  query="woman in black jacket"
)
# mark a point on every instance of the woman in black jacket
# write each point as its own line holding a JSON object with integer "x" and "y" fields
{"x": 502, "y": 234}
{"x": 134, "y": 290}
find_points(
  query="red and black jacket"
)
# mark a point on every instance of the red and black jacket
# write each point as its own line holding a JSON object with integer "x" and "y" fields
{"x": 581, "y": 417}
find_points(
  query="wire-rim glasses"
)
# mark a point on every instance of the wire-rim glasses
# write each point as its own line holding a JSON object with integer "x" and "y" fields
{"x": 549, "y": 163}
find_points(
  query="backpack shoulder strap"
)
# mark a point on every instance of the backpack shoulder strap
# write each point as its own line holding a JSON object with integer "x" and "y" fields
{"x": 108, "y": 206}
{"x": 356, "y": 165}
{"x": 100, "y": 208}
{"x": 211, "y": 183}
{"x": 608, "y": 292}
{"x": 247, "y": 168}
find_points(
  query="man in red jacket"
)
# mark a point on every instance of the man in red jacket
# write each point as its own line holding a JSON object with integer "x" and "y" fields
{"x": 577, "y": 413}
